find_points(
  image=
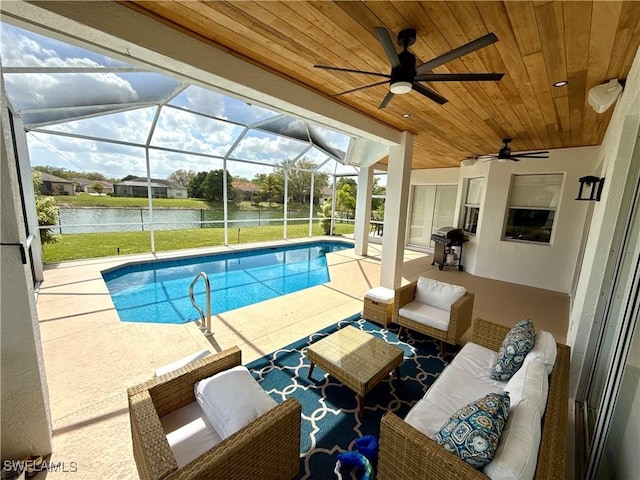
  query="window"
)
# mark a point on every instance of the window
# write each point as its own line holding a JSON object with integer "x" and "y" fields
{"x": 475, "y": 187}
{"x": 533, "y": 201}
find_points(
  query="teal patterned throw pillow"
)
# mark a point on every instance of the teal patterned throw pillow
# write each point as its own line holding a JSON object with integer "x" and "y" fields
{"x": 473, "y": 432}
{"x": 515, "y": 346}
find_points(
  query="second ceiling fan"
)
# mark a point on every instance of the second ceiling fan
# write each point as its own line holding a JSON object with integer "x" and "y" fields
{"x": 405, "y": 75}
{"x": 504, "y": 154}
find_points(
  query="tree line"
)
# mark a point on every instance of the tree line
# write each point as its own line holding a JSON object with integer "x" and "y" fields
{"x": 208, "y": 185}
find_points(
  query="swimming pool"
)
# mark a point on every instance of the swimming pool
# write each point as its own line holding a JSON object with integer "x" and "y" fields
{"x": 158, "y": 291}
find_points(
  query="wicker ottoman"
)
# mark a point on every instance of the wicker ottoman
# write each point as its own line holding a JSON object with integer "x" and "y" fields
{"x": 378, "y": 305}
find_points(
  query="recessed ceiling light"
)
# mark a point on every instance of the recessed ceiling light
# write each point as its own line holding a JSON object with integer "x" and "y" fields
{"x": 561, "y": 83}
{"x": 406, "y": 115}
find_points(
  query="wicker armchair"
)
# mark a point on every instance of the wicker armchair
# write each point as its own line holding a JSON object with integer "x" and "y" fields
{"x": 459, "y": 320}
{"x": 407, "y": 454}
{"x": 267, "y": 448}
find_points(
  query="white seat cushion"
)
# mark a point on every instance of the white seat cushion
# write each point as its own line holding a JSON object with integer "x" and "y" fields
{"x": 438, "y": 294}
{"x": 517, "y": 453}
{"x": 466, "y": 379}
{"x": 381, "y": 295}
{"x": 544, "y": 350}
{"x": 531, "y": 383}
{"x": 426, "y": 314}
{"x": 181, "y": 362}
{"x": 232, "y": 399}
{"x": 189, "y": 433}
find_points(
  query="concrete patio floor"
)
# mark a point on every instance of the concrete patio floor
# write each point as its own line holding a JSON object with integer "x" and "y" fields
{"x": 91, "y": 357}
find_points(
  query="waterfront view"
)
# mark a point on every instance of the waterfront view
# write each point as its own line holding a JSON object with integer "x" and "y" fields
{"x": 95, "y": 220}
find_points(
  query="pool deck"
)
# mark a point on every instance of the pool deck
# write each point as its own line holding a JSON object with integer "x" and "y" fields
{"x": 91, "y": 357}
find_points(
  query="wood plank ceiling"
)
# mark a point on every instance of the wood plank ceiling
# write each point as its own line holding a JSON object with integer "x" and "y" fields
{"x": 586, "y": 43}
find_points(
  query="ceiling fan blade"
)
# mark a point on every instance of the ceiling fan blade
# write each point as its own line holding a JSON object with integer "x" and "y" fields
{"x": 513, "y": 157}
{"x": 361, "y": 88}
{"x": 472, "y": 46}
{"x": 350, "y": 70}
{"x": 386, "y": 100}
{"x": 427, "y": 92}
{"x": 387, "y": 44}
{"x": 526, "y": 154}
{"x": 458, "y": 77}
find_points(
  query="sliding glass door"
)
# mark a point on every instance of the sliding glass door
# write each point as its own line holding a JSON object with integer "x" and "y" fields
{"x": 432, "y": 207}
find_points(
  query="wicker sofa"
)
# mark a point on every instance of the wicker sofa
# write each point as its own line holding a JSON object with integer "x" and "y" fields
{"x": 267, "y": 448}
{"x": 407, "y": 454}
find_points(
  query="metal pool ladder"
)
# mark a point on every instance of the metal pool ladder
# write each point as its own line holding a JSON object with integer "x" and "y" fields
{"x": 205, "y": 322}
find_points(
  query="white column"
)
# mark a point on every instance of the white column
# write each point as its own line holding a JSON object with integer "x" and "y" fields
{"x": 395, "y": 212}
{"x": 225, "y": 208}
{"x": 311, "y": 199}
{"x": 286, "y": 202}
{"x": 363, "y": 210}
{"x": 149, "y": 200}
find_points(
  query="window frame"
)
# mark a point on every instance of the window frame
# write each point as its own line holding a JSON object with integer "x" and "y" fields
{"x": 540, "y": 208}
{"x": 468, "y": 206}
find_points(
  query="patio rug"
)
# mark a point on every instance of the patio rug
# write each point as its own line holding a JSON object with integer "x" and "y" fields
{"x": 330, "y": 418}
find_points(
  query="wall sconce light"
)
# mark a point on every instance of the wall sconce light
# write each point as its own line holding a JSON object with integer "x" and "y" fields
{"x": 594, "y": 188}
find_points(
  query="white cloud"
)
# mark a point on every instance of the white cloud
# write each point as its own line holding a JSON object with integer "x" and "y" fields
{"x": 267, "y": 148}
{"x": 186, "y": 131}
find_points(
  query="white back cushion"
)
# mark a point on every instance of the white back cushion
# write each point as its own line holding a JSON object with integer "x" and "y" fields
{"x": 530, "y": 383}
{"x": 544, "y": 350}
{"x": 517, "y": 453}
{"x": 232, "y": 399}
{"x": 438, "y": 294}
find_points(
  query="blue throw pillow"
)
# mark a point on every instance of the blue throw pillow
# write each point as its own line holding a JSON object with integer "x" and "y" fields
{"x": 473, "y": 432}
{"x": 515, "y": 346}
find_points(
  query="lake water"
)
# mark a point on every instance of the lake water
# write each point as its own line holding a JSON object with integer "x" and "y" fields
{"x": 94, "y": 220}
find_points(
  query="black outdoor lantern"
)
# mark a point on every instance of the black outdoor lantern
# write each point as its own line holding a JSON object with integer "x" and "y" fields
{"x": 594, "y": 188}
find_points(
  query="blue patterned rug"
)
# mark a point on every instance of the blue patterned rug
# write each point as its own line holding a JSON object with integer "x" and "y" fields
{"x": 330, "y": 418}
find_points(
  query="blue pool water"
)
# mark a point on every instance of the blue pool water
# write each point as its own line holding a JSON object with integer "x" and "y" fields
{"x": 158, "y": 292}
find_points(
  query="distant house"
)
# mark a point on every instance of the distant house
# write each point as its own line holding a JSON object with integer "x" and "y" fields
{"x": 137, "y": 187}
{"x": 52, "y": 185}
{"x": 325, "y": 195}
{"x": 86, "y": 185}
{"x": 245, "y": 190}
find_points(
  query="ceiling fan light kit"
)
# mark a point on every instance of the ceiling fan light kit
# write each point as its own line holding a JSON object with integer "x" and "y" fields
{"x": 400, "y": 88}
{"x": 406, "y": 76}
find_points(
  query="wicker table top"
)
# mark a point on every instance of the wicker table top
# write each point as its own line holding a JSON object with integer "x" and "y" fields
{"x": 356, "y": 358}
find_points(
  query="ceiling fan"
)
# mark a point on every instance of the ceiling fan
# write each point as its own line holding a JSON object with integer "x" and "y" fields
{"x": 405, "y": 76}
{"x": 505, "y": 154}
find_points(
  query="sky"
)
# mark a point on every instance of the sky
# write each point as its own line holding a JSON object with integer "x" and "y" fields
{"x": 40, "y": 96}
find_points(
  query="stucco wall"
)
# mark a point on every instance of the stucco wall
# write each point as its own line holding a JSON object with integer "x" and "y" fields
{"x": 435, "y": 176}
{"x": 24, "y": 416}
{"x": 549, "y": 266}
{"x": 616, "y": 148}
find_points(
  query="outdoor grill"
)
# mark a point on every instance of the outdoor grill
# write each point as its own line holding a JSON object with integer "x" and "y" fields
{"x": 444, "y": 254}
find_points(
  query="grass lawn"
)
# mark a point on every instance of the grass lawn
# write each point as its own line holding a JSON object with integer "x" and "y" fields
{"x": 93, "y": 245}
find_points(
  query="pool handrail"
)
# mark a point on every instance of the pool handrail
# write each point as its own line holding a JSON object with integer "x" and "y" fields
{"x": 205, "y": 322}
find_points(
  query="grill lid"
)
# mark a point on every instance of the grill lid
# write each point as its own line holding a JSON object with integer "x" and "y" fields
{"x": 449, "y": 232}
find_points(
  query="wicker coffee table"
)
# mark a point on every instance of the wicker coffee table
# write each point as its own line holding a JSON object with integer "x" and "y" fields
{"x": 357, "y": 359}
